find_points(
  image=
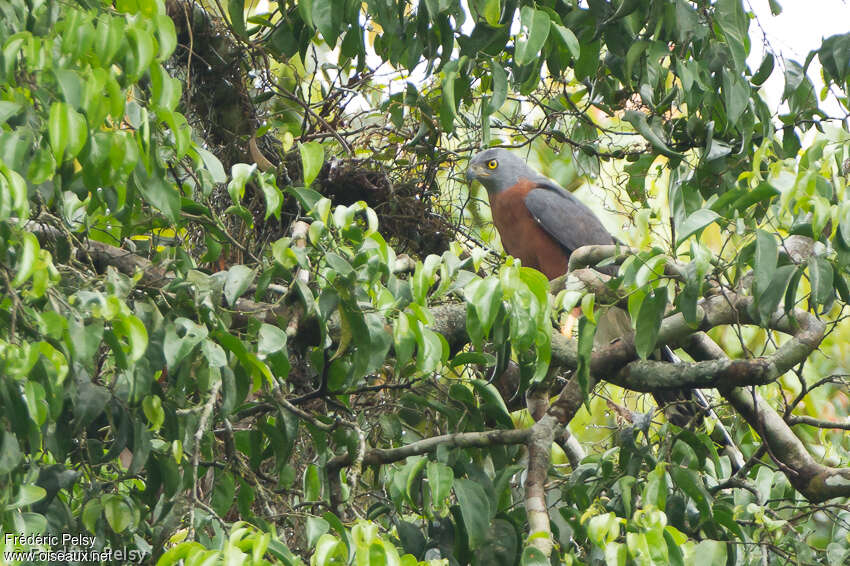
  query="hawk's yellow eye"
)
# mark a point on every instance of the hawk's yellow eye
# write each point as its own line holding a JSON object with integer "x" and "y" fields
{"x": 492, "y": 164}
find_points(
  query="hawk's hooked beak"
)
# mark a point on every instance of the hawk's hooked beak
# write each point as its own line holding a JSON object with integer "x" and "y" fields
{"x": 473, "y": 172}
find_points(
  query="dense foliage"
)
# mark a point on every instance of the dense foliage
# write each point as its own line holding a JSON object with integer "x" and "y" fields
{"x": 251, "y": 313}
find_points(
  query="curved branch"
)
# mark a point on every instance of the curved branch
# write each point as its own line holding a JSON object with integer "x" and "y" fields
{"x": 802, "y": 419}
{"x": 816, "y": 482}
{"x": 615, "y": 364}
{"x": 482, "y": 439}
{"x": 539, "y": 458}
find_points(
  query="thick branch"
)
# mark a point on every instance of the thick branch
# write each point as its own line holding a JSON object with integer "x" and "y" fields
{"x": 806, "y": 331}
{"x": 802, "y": 419}
{"x": 813, "y": 480}
{"x": 539, "y": 457}
{"x": 482, "y": 439}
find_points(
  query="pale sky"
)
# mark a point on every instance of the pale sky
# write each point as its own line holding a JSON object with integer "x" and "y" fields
{"x": 801, "y": 27}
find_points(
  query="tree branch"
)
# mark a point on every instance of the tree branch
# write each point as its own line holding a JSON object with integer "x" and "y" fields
{"x": 813, "y": 480}
{"x": 483, "y": 439}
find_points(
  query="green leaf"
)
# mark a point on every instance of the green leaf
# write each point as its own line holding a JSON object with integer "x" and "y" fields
{"x": 649, "y": 320}
{"x": 533, "y": 556}
{"x": 141, "y": 52}
{"x": 7, "y": 110}
{"x": 736, "y": 96}
{"x": 764, "y": 70}
{"x": 166, "y": 36}
{"x": 67, "y": 130}
{"x": 305, "y": 196}
{"x": 766, "y": 256}
{"x": 534, "y": 29}
{"x": 273, "y": 196}
{"x": 213, "y": 165}
{"x": 327, "y": 16}
{"x": 236, "y": 11}
{"x": 603, "y": 529}
{"x": 180, "y": 339}
{"x": 586, "y": 332}
{"x": 152, "y": 407}
{"x": 270, "y": 339}
{"x": 655, "y": 489}
{"x": 239, "y": 278}
{"x": 440, "y": 481}
{"x": 71, "y": 86}
{"x": 688, "y": 481}
{"x": 91, "y": 513}
{"x": 734, "y": 23}
{"x": 474, "y": 508}
{"x": 711, "y": 552}
{"x": 312, "y": 159}
{"x": 695, "y": 222}
{"x": 492, "y": 11}
{"x": 768, "y": 300}
{"x": 820, "y": 278}
{"x": 316, "y": 528}
{"x": 499, "y": 88}
{"x": 674, "y": 551}
{"x": 10, "y": 453}
{"x": 448, "y": 104}
{"x": 477, "y": 358}
{"x": 27, "y": 495}
{"x": 312, "y": 485}
{"x": 639, "y": 122}
{"x": 430, "y": 352}
{"x": 239, "y": 173}
{"x": 492, "y": 403}
{"x": 568, "y": 39}
{"x": 27, "y": 259}
{"x": 117, "y": 511}
{"x": 157, "y": 191}
{"x": 485, "y": 297}
{"x": 224, "y": 488}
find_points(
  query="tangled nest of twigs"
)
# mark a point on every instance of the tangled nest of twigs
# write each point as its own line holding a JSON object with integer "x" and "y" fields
{"x": 217, "y": 102}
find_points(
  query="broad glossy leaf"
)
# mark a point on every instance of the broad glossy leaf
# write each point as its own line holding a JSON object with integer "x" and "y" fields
{"x": 532, "y": 556}
{"x": 766, "y": 256}
{"x": 586, "y": 332}
{"x": 820, "y": 278}
{"x": 270, "y": 339}
{"x": 568, "y": 39}
{"x": 118, "y": 513}
{"x": 485, "y": 296}
{"x": 236, "y": 11}
{"x": 764, "y": 70}
{"x": 440, "y": 481}
{"x": 534, "y": 29}
{"x": 213, "y": 165}
{"x": 67, "y": 130}
{"x": 10, "y": 452}
{"x": 688, "y": 481}
{"x": 736, "y": 96}
{"x": 312, "y": 159}
{"x": 695, "y": 222}
{"x": 492, "y": 10}
{"x": 8, "y": 109}
{"x": 649, "y": 320}
{"x": 239, "y": 278}
{"x": 180, "y": 339}
{"x": 475, "y": 510}
{"x": 239, "y": 173}
{"x": 639, "y": 121}
{"x": 770, "y": 297}
{"x": 499, "y": 88}
{"x": 327, "y": 17}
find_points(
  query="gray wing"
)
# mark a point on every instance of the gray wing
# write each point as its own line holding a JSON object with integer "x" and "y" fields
{"x": 564, "y": 217}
